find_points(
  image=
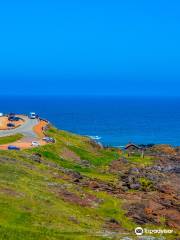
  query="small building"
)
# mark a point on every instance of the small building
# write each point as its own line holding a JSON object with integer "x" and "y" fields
{"x": 132, "y": 148}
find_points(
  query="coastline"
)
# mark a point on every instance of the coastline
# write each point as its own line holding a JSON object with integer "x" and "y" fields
{"x": 117, "y": 120}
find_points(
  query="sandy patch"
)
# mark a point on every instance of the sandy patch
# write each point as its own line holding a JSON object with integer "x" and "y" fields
{"x": 24, "y": 143}
{"x": 4, "y": 121}
{"x": 38, "y": 129}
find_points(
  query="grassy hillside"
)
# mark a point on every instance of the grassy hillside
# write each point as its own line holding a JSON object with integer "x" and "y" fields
{"x": 10, "y": 139}
{"x": 61, "y": 191}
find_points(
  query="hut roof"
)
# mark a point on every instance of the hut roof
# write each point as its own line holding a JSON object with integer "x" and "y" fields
{"x": 132, "y": 145}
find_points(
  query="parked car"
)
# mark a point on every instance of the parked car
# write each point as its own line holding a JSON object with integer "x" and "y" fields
{"x": 49, "y": 139}
{"x": 35, "y": 144}
{"x": 13, "y": 118}
{"x": 12, "y": 147}
{"x": 32, "y": 115}
{"x": 10, "y": 125}
{"x": 10, "y": 118}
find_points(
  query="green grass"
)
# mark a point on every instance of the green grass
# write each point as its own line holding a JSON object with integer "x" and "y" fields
{"x": 33, "y": 210}
{"x": 112, "y": 207}
{"x": 137, "y": 159}
{"x": 10, "y": 139}
{"x": 31, "y": 203}
{"x": 146, "y": 184}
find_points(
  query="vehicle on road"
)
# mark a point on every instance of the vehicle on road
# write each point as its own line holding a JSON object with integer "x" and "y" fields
{"x": 12, "y": 147}
{"x": 35, "y": 144}
{"x": 13, "y": 118}
{"x": 10, "y": 124}
{"x": 32, "y": 115}
{"x": 49, "y": 139}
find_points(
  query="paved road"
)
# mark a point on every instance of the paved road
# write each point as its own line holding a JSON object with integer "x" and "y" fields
{"x": 26, "y": 129}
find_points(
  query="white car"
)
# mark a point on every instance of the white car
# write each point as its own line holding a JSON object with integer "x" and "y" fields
{"x": 49, "y": 139}
{"x": 32, "y": 115}
{"x": 35, "y": 144}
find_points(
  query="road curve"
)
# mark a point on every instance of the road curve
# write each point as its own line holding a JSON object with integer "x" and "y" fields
{"x": 26, "y": 129}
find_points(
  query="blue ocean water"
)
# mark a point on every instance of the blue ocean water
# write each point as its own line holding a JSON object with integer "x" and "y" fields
{"x": 116, "y": 120}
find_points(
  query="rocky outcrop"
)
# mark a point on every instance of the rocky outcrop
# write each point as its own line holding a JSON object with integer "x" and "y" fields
{"x": 155, "y": 198}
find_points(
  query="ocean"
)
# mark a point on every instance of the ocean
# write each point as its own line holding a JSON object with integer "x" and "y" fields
{"x": 113, "y": 121}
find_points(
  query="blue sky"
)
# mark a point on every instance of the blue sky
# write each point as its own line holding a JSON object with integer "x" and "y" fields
{"x": 90, "y": 47}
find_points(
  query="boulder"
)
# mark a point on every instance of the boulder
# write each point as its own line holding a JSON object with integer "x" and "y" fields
{"x": 135, "y": 186}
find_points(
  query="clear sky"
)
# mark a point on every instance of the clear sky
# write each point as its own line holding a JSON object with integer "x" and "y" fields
{"x": 90, "y": 47}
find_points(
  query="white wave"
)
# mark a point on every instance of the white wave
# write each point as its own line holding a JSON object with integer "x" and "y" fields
{"x": 119, "y": 146}
{"x": 95, "y": 137}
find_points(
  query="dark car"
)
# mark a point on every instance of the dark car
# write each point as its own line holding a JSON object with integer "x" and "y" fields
{"x": 11, "y": 147}
{"x": 13, "y": 118}
{"x": 10, "y": 125}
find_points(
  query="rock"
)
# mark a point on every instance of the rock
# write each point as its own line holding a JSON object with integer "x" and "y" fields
{"x": 158, "y": 168}
{"x": 152, "y": 177}
{"x": 166, "y": 189}
{"x": 177, "y": 149}
{"x": 137, "y": 212}
{"x": 113, "y": 224}
{"x": 124, "y": 188}
{"x": 167, "y": 203}
{"x": 113, "y": 220}
{"x": 76, "y": 176}
{"x": 134, "y": 171}
{"x": 94, "y": 185}
{"x": 85, "y": 163}
{"x": 173, "y": 218}
{"x": 176, "y": 170}
{"x": 135, "y": 186}
{"x": 153, "y": 207}
{"x": 124, "y": 160}
{"x": 36, "y": 157}
{"x": 130, "y": 179}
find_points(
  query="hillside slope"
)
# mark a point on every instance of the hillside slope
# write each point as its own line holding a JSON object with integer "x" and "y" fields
{"x": 75, "y": 189}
